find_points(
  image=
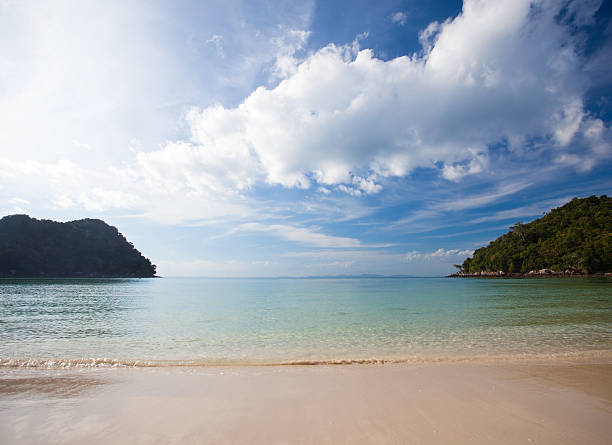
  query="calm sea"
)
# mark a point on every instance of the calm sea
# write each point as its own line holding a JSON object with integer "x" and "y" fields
{"x": 115, "y": 322}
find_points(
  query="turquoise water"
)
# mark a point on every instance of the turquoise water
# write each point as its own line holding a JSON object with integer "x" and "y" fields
{"x": 211, "y": 321}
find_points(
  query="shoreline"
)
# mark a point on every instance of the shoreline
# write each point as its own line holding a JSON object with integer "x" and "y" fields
{"x": 556, "y": 401}
{"x": 604, "y": 355}
{"x": 553, "y": 274}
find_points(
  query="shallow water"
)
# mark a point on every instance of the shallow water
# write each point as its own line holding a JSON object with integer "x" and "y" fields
{"x": 252, "y": 321}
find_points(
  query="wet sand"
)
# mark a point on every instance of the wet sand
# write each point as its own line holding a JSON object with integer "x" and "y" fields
{"x": 544, "y": 402}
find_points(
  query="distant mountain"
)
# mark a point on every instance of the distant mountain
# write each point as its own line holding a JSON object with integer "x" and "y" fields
{"x": 576, "y": 237}
{"x": 85, "y": 248}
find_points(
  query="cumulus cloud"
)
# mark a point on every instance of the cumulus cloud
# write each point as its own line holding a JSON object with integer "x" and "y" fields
{"x": 361, "y": 186}
{"x": 341, "y": 120}
{"x": 500, "y": 71}
{"x": 597, "y": 137}
{"x": 454, "y": 172}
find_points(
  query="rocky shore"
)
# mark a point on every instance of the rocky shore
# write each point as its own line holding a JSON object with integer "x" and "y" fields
{"x": 542, "y": 273}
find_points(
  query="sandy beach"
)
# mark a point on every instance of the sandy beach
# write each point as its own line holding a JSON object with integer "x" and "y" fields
{"x": 546, "y": 402}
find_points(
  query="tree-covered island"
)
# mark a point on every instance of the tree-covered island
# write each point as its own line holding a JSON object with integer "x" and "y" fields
{"x": 574, "y": 239}
{"x": 85, "y": 248}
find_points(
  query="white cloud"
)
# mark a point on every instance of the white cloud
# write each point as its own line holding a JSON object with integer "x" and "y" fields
{"x": 304, "y": 235}
{"x": 428, "y": 35}
{"x": 349, "y": 190}
{"x": 581, "y": 163}
{"x": 61, "y": 172}
{"x": 532, "y": 210}
{"x": 80, "y": 144}
{"x": 99, "y": 199}
{"x": 338, "y": 119}
{"x": 290, "y": 264}
{"x": 333, "y": 265}
{"x": 441, "y": 252}
{"x": 341, "y": 116}
{"x": 399, "y": 18}
{"x": 288, "y": 43}
{"x": 18, "y": 201}
{"x": 410, "y": 256}
{"x": 481, "y": 200}
{"x": 74, "y": 72}
{"x": 104, "y": 73}
{"x": 367, "y": 185}
{"x": 457, "y": 171}
{"x": 329, "y": 262}
{"x": 418, "y": 215}
{"x": 217, "y": 41}
{"x": 569, "y": 119}
{"x": 361, "y": 186}
{"x": 597, "y": 138}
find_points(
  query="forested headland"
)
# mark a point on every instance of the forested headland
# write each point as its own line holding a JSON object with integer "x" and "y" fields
{"x": 574, "y": 239}
{"x": 85, "y": 248}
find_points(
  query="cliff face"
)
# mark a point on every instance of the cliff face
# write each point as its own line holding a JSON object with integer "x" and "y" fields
{"x": 83, "y": 248}
{"x": 574, "y": 238}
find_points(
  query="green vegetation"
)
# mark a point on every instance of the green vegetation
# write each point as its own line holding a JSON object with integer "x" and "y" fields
{"x": 575, "y": 237}
{"x": 83, "y": 248}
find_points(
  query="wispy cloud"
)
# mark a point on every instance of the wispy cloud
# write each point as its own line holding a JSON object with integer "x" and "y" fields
{"x": 476, "y": 201}
{"x": 466, "y": 232}
{"x": 533, "y": 210}
{"x": 418, "y": 215}
{"x": 305, "y": 235}
{"x": 217, "y": 41}
{"x": 412, "y": 262}
{"x": 441, "y": 252}
{"x": 399, "y": 18}
{"x": 432, "y": 216}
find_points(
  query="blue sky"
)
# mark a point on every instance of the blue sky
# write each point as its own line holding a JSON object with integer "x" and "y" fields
{"x": 262, "y": 138}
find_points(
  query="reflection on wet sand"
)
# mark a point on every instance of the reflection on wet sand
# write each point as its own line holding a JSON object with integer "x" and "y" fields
{"x": 47, "y": 386}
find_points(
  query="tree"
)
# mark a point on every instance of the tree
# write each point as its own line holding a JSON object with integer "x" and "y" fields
{"x": 577, "y": 235}
{"x": 83, "y": 248}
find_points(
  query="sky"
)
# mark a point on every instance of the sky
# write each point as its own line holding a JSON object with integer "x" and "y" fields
{"x": 285, "y": 138}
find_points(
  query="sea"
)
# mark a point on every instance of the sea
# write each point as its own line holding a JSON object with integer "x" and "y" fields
{"x": 66, "y": 323}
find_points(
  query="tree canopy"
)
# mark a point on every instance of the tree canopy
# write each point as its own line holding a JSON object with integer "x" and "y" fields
{"x": 575, "y": 236}
{"x": 85, "y": 248}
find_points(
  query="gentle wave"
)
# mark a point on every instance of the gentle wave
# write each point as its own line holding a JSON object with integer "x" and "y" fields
{"x": 115, "y": 363}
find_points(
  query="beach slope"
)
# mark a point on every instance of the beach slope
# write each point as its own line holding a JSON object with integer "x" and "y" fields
{"x": 548, "y": 402}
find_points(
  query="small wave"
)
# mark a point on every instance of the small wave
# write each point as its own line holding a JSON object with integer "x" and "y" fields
{"x": 116, "y": 363}
{"x": 74, "y": 363}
